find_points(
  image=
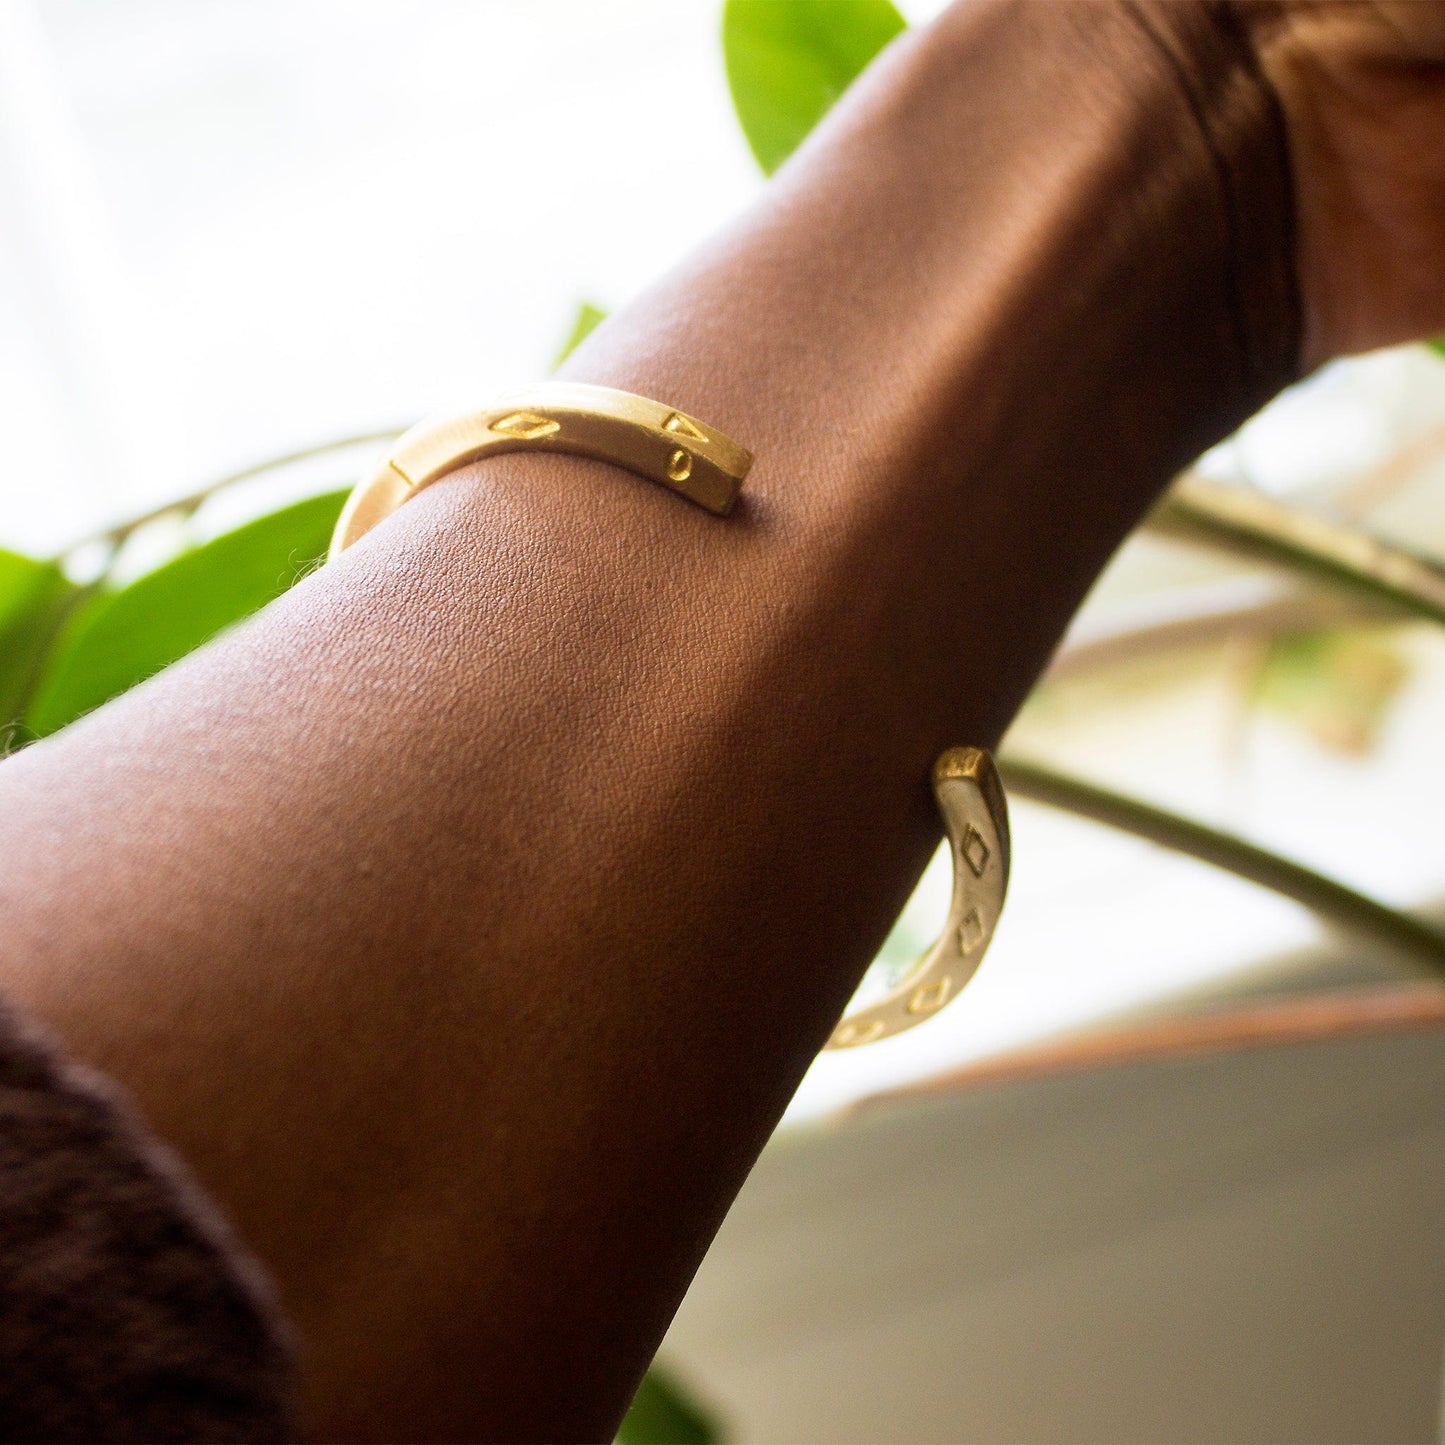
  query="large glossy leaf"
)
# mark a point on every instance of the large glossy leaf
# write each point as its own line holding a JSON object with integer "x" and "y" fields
{"x": 1439, "y": 344}
{"x": 34, "y": 596}
{"x": 662, "y": 1415}
{"x": 118, "y": 638}
{"x": 789, "y": 60}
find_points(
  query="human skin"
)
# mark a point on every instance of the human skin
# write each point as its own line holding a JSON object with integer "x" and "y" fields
{"x": 1361, "y": 86}
{"x": 467, "y": 919}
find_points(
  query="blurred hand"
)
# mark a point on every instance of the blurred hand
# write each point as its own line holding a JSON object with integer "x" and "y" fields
{"x": 1362, "y": 83}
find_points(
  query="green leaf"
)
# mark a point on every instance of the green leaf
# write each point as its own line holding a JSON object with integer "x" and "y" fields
{"x": 34, "y": 597}
{"x": 789, "y": 60}
{"x": 120, "y": 637}
{"x": 589, "y": 317}
{"x": 661, "y": 1414}
{"x": 1437, "y": 345}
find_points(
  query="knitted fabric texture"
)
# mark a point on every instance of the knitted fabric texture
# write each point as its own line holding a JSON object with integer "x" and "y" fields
{"x": 128, "y": 1311}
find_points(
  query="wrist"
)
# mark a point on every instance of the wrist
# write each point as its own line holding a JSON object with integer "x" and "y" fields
{"x": 1241, "y": 127}
{"x": 1033, "y": 266}
{"x": 1173, "y": 188}
{"x": 1013, "y": 176}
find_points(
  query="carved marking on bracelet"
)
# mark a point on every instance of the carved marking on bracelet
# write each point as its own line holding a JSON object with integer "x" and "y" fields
{"x": 527, "y": 425}
{"x": 970, "y": 932}
{"x": 400, "y": 473}
{"x": 859, "y": 1033}
{"x": 679, "y": 465}
{"x": 931, "y": 996}
{"x": 682, "y": 426}
{"x": 975, "y": 851}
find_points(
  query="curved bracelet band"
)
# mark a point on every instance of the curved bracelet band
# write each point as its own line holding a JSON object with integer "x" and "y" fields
{"x": 643, "y": 436}
{"x": 667, "y": 446}
{"x": 970, "y": 796}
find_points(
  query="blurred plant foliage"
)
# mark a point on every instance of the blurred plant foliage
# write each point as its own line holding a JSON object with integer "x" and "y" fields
{"x": 662, "y": 1413}
{"x": 71, "y": 639}
{"x": 113, "y": 637}
{"x": 1335, "y": 683}
{"x": 587, "y": 320}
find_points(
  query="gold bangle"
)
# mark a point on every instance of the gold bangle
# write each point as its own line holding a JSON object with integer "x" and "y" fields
{"x": 688, "y": 456}
{"x": 644, "y": 436}
{"x": 970, "y": 796}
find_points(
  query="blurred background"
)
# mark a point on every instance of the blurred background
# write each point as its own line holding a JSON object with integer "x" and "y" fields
{"x": 1174, "y": 1166}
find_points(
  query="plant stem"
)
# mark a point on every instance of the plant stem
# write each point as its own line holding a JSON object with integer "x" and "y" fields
{"x": 1250, "y": 524}
{"x": 1331, "y": 901}
{"x": 1177, "y": 630}
{"x": 188, "y": 504}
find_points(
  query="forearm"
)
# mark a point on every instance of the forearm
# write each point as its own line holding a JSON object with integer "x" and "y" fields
{"x": 468, "y": 918}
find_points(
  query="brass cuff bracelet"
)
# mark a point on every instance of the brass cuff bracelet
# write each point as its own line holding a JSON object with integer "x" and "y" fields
{"x": 705, "y": 466}
{"x": 642, "y": 436}
{"x": 970, "y": 797}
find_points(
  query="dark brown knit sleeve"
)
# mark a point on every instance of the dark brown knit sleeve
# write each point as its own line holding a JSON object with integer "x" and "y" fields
{"x": 128, "y": 1311}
